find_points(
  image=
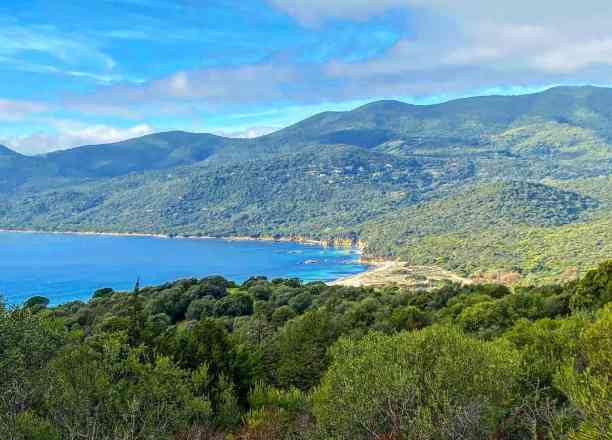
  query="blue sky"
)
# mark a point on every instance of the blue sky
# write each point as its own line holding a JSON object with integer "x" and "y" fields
{"x": 78, "y": 72}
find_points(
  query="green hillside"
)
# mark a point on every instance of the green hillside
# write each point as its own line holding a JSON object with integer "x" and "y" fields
{"x": 18, "y": 172}
{"x": 162, "y": 150}
{"x": 463, "y": 184}
{"x": 535, "y": 230}
{"x": 486, "y": 205}
{"x": 315, "y": 192}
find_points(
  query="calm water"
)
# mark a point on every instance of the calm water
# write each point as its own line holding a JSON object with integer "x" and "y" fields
{"x": 69, "y": 267}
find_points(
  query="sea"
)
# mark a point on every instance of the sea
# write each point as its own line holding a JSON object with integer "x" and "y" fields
{"x": 67, "y": 267}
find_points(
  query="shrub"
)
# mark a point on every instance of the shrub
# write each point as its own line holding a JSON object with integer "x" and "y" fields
{"x": 434, "y": 383}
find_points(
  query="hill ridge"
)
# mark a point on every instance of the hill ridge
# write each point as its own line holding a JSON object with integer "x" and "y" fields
{"x": 374, "y": 172}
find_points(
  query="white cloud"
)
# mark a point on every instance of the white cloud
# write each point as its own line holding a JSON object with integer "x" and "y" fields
{"x": 68, "y": 134}
{"x": 247, "y": 83}
{"x": 188, "y": 92}
{"x": 575, "y": 56}
{"x": 449, "y": 49}
{"x": 547, "y": 38}
{"x": 11, "y": 110}
{"x": 247, "y": 133}
{"x": 516, "y": 11}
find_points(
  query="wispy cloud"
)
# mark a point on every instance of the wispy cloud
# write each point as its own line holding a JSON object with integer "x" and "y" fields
{"x": 193, "y": 62}
{"x": 46, "y": 49}
{"x": 314, "y": 12}
{"x": 190, "y": 92}
{"x": 11, "y": 110}
{"x": 475, "y": 45}
{"x": 243, "y": 84}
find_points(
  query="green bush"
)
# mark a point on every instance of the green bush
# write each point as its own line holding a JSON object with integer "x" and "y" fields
{"x": 434, "y": 383}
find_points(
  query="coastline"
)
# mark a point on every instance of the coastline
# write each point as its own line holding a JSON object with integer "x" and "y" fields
{"x": 168, "y": 236}
{"x": 370, "y": 264}
{"x": 332, "y": 242}
{"x": 378, "y": 272}
{"x": 110, "y": 234}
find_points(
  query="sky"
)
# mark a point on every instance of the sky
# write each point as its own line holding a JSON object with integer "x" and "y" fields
{"x": 77, "y": 72}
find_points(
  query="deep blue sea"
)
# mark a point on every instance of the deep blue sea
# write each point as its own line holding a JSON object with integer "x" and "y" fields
{"x": 66, "y": 267}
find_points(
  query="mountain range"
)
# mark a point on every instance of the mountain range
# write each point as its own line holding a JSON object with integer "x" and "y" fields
{"x": 494, "y": 184}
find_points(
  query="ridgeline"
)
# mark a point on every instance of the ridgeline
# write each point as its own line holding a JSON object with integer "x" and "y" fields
{"x": 512, "y": 184}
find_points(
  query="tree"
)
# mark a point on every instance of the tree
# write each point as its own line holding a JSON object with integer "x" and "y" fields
{"x": 104, "y": 389}
{"x": 587, "y": 381}
{"x": 173, "y": 302}
{"x": 434, "y": 383}
{"x": 409, "y": 318}
{"x": 491, "y": 318}
{"x": 103, "y": 293}
{"x": 281, "y": 315}
{"x": 207, "y": 345}
{"x": 595, "y": 289}
{"x": 545, "y": 346}
{"x": 201, "y": 308}
{"x": 27, "y": 343}
{"x": 300, "y": 351}
{"x": 36, "y": 303}
{"x": 261, "y": 292}
{"x": 276, "y": 414}
{"x": 238, "y": 304}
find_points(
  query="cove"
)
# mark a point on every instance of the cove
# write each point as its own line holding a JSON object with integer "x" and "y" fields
{"x": 67, "y": 267}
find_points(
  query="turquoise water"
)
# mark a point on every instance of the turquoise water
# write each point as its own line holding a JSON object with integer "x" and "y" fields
{"x": 66, "y": 267}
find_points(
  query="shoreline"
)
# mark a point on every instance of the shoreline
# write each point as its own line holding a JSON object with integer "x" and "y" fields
{"x": 309, "y": 242}
{"x": 369, "y": 264}
{"x": 110, "y": 234}
{"x": 377, "y": 272}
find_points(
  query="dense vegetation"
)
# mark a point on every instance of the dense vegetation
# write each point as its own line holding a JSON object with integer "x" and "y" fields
{"x": 483, "y": 184}
{"x": 543, "y": 233}
{"x": 309, "y": 191}
{"x": 278, "y": 359}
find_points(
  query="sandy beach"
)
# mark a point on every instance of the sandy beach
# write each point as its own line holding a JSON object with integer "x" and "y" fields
{"x": 402, "y": 274}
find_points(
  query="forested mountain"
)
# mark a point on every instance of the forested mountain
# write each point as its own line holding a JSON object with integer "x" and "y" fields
{"x": 151, "y": 152}
{"x": 311, "y": 192}
{"x": 420, "y": 182}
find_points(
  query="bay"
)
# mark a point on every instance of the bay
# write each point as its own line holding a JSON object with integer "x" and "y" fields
{"x": 66, "y": 267}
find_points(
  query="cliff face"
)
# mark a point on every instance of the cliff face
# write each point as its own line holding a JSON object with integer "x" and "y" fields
{"x": 349, "y": 240}
{"x": 345, "y": 241}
